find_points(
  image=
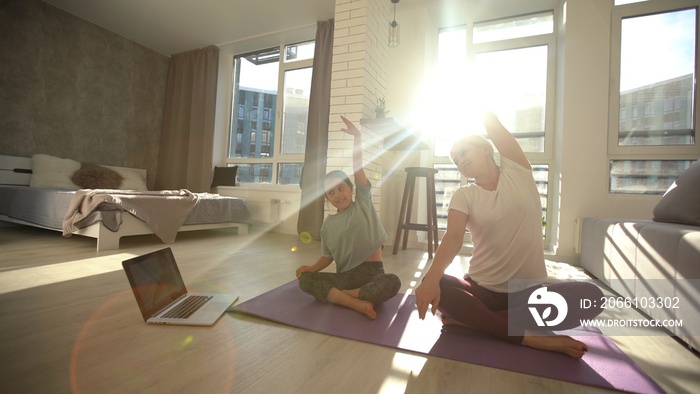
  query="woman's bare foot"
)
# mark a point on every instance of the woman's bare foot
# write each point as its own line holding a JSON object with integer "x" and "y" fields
{"x": 447, "y": 321}
{"x": 556, "y": 343}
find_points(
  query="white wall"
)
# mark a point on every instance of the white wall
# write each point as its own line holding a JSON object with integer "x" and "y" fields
{"x": 289, "y": 202}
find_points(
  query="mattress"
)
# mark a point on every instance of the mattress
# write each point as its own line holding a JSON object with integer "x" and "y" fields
{"x": 47, "y": 208}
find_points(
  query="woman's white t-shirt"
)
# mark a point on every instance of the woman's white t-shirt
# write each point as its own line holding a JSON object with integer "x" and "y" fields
{"x": 506, "y": 229}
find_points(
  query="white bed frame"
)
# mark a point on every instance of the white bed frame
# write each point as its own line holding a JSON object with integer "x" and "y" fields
{"x": 13, "y": 171}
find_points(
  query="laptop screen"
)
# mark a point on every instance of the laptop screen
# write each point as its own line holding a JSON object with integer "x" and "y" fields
{"x": 155, "y": 280}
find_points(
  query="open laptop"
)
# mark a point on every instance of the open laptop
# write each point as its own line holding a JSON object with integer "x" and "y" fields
{"x": 162, "y": 296}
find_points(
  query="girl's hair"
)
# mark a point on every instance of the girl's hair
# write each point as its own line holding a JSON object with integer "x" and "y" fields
{"x": 337, "y": 174}
{"x": 475, "y": 140}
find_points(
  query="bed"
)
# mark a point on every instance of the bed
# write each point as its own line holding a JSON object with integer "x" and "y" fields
{"x": 39, "y": 192}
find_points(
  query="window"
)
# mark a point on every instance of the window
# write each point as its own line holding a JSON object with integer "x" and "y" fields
{"x": 448, "y": 180}
{"x": 297, "y": 84}
{"x": 653, "y": 113}
{"x": 520, "y": 91}
{"x": 623, "y": 2}
{"x": 515, "y": 27}
{"x": 509, "y": 68}
{"x": 645, "y": 176}
{"x": 650, "y": 84}
{"x": 268, "y": 132}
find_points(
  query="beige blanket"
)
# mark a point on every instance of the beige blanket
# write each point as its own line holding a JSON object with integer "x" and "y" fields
{"x": 164, "y": 211}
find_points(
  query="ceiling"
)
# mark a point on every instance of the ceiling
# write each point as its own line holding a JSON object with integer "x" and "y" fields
{"x": 175, "y": 26}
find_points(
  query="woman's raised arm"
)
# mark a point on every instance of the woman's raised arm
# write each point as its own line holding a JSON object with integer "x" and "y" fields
{"x": 503, "y": 140}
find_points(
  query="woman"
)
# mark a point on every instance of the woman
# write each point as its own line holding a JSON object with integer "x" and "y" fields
{"x": 502, "y": 212}
{"x": 353, "y": 238}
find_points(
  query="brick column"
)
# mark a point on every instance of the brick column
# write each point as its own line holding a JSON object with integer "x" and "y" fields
{"x": 358, "y": 79}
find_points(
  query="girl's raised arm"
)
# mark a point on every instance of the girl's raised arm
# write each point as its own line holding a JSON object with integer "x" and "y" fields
{"x": 357, "y": 165}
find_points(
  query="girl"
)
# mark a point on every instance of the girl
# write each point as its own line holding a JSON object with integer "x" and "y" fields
{"x": 353, "y": 238}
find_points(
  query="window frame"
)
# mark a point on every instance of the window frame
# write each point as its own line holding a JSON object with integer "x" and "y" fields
{"x": 546, "y": 157}
{"x": 277, "y": 158}
{"x": 645, "y": 152}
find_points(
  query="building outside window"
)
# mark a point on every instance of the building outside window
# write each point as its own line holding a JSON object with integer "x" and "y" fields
{"x": 654, "y": 67}
{"x": 270, "y": 103}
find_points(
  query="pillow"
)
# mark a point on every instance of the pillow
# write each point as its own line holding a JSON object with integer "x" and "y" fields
{"x": 681, "y": 202}
{"x": 224, "y": 176}
{"x": 93, "y": 176}
{"x": 132, "y": 179}
{"x": 53, "y": 172}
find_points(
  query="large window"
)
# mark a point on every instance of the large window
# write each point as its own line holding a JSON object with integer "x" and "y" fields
{"x": 505, "y": 65}
{"x": 653, "y": 110}
{"x": 268, "y": 129}
{"x": 518, "y": 93}
{"x": 645, "y": 176}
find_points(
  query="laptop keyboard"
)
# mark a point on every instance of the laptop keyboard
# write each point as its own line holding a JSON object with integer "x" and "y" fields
{"x": 186, "y": 308}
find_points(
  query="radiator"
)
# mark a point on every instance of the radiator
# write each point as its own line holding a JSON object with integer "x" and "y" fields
{"x": 264, "y": 211}
{"x": 578, "y": 230}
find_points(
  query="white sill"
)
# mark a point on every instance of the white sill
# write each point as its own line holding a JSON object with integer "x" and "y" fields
{"x": 263, "y": 187}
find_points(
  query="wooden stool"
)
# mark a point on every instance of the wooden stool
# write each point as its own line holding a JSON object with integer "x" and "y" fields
{"x": 405, "y": 224}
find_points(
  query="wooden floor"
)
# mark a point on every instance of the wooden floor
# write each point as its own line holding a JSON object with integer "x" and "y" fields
{"x": 70, "y": 324}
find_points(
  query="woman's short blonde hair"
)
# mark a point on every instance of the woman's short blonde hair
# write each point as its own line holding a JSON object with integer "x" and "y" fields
{"x": 474, "y": 140}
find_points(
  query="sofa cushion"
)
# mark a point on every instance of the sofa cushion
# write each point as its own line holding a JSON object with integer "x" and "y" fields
{"x": 680, "y": 203}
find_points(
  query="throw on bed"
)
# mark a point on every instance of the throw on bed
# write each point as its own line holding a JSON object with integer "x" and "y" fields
{"x": 164, "y": 211}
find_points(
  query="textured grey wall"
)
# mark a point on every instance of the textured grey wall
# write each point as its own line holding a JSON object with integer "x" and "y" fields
{"x": 71, "y": 89}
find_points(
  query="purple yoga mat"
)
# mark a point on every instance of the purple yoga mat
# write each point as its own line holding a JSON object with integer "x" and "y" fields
{"x": 398, "y": 326}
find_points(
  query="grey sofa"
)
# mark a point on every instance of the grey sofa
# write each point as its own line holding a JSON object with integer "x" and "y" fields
{"x": 643, "y": 258}
{"x": 660, "y": 258}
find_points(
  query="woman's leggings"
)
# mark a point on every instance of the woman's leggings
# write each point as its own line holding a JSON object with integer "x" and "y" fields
{"x": 375, "y": 285}
{"x": 463, "y": 300}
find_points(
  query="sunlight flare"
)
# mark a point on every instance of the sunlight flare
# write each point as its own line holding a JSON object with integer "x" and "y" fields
{"x": 30, "y": 277}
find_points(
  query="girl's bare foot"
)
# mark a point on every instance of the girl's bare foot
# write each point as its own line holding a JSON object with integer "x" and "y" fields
{"x": 340, "y": 297}
{"x": 354, "y": 293}
{"x": 367, "y": 309}
{"x": 556, "y": 343}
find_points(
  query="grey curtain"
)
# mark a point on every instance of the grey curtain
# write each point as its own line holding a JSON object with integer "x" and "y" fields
{"x": 187, "y": 136}
{"x": 312, "y": 200}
